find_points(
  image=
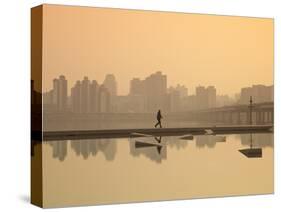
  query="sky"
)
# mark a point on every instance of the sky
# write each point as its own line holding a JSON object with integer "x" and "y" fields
{"x": 191, "y": 49}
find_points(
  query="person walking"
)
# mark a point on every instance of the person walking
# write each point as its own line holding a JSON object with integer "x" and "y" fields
{"x": 159, "y": 117}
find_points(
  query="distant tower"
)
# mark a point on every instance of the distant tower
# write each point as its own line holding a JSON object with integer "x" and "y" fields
{"x": 111, "y": 84}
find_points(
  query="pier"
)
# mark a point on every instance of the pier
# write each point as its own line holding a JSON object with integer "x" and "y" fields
{"x": 123, "y": 133}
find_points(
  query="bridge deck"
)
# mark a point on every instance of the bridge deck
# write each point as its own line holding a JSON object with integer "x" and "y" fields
{"x": 122, "y": 133}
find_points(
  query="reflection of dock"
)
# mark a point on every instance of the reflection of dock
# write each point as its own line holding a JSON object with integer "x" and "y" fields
{"x": 252, "y": 152}
{"x": 123, "y": 133}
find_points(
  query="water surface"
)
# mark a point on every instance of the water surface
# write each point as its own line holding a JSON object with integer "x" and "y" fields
{"x": 100, "y": 171}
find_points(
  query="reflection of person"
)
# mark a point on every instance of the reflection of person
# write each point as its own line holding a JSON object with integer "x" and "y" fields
{"x": 159, "y": 117}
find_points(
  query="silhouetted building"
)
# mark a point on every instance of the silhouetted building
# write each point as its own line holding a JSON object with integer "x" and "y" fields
{"x": 176, "y": 97}
{"x": 224, "y": 100}
{"x": 211, "y": 94}
{"x": 103, "y": 100}
{"x": 156, "y": 92}
{"x": 111, "y": 84}
{"x": 205, "y": 97}
{"x": 60, "y": 93}
{"x": 181, "y": 89}
{"x": 93, "y": 96}
{"x": 189, "y": 103}
{"x": 76, "y": 97}
{"x": 137, "y": 87}
{"x": 175, "y": 101}
{"x": 85, "y": 95}
{"x": 259, "y": 93}
{"x": 88, "y": 97}
{"x": 201, "y": 98}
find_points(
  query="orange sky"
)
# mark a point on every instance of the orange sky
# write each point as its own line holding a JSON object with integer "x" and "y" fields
{"x": 191, "y": 49}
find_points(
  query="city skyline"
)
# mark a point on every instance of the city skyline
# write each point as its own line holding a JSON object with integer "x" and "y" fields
{"x": 136, "y": 43}
{"x": 191, "y": 90}
{"x": 145, "y": 95}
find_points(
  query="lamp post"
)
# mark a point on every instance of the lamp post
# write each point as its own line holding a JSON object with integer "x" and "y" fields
{"x": 251, "y": 108}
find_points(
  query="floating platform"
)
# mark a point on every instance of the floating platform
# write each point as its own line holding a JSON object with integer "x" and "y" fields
{"x": 252, "y": 152}
{"x": 125, "y": 133}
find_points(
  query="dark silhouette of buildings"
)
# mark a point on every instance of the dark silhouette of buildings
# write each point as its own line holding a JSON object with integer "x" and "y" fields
{"x": 60, "y": 93}
{"x": 89, "y": 97}
{"x": 205, "y": 97}
{"x": 111, "y": 84}
{"x": 103, "y": 100}
{"x": 260, "y": 93}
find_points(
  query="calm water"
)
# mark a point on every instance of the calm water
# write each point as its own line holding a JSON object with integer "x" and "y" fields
{"x": 100, "y": 171}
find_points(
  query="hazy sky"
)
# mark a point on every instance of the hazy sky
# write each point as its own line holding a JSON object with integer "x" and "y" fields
{"x": 191, "y": 49}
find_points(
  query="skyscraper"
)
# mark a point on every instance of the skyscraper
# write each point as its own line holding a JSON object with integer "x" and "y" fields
{"x": 259, "y": 93}
{"x": 103, "y": 99}
{"x": 156, "y": 92}
{"x": 111, "y": 84}
{"x": 201, "y": 97}
{"x": 93, "y": 96}
{"x": 60, "y": 93}
{"x": 205, "y": 97}
{"x": 137, "y": 87}
{"x": 76, "y": 97}
{"x": 85, "y": 100}
{"x": 211, "y": 93}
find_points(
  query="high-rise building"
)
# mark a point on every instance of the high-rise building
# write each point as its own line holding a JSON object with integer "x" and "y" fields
{"x": 103, "y": 100}
{"x": 259, "y": 93}
{"x": 175, "y": 101}
{"x": 211, "y": 94}
{"x": 183, "y": 91}
{"x": 76, "y": 97}
{"x": 60, "y": 93}
{"x": 137, "y": 87}
{"x": 85, "y": 100}
{"x": 201, "y": 98}
{"x": 93, "y": 95}
{"x": 205, "y": 97}
{"x": 156, "y": 92}
{"x": 111, "y": 84}
{"x": 224, "y": 100}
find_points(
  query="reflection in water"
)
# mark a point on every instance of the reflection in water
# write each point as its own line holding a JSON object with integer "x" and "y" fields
{"x": 252, "y": 152}
{"x": 260, "y": 140}
{"x": 59, "y": 149}
{"x": 155, "y": 149}
{"x": 178, "y": 144}
{"x": 32, "y": 146}
{"x": 92, "y": 147}
{"x": 84, "y": 148}
{"x": 205, "y": 140}
{"x": 178, "y": 170}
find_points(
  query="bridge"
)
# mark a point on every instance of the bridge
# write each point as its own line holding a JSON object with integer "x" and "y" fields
{"x": 256, "y": 114}
{"x": 259, "y": 113}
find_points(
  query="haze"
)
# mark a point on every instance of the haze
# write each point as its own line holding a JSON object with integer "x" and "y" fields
{"x": 191, "y": 49}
